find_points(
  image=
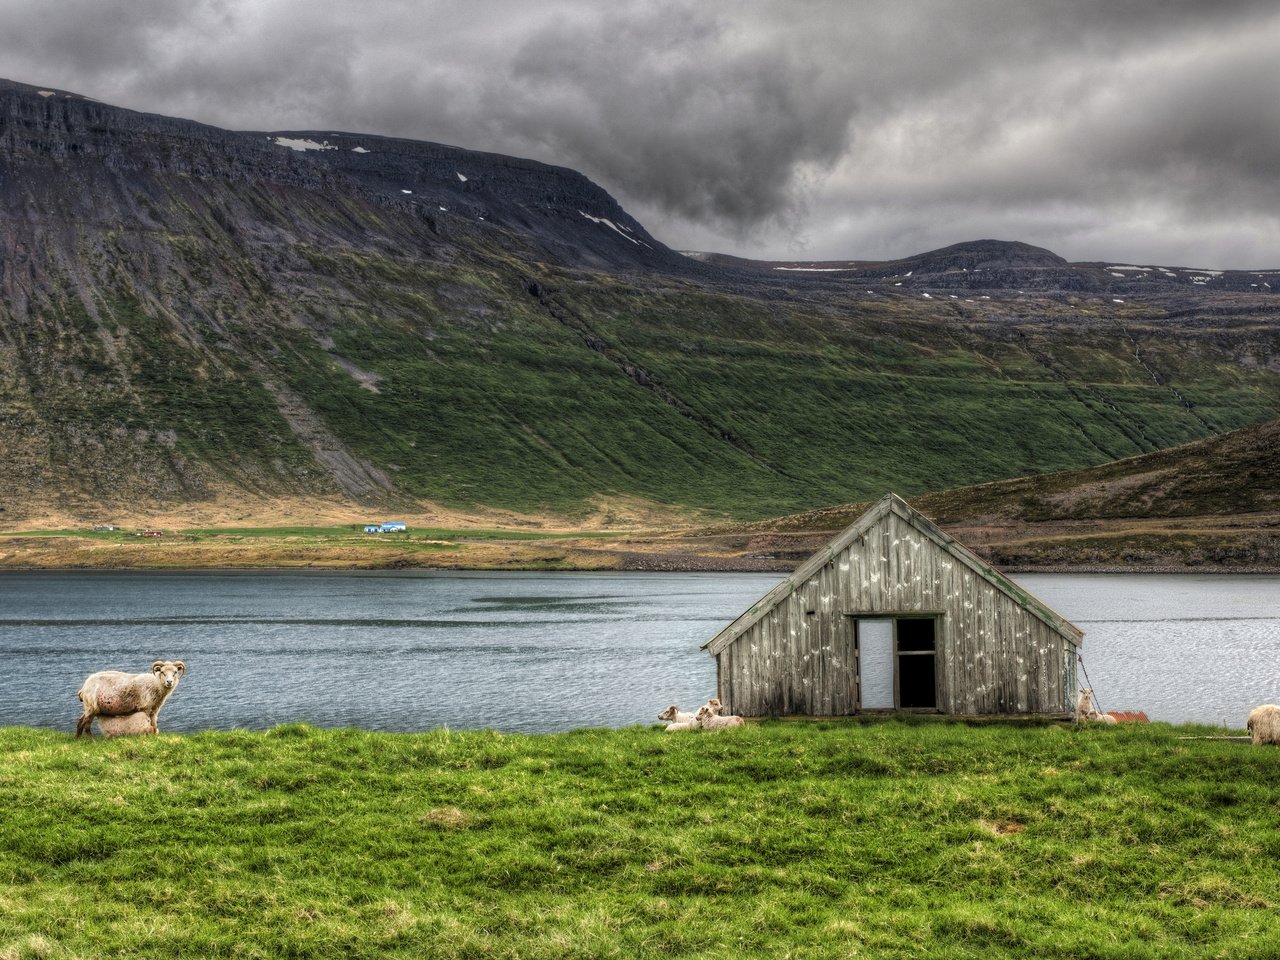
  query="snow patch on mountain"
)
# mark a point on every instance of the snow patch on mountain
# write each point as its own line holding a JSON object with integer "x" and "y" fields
{"x": 301, "y": 145}
{"x": 612, "y": 226}
{"x": 816, "y": 269}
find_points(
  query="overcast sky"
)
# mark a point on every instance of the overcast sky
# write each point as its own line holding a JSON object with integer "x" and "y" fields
{"x": 1138, "y": 131}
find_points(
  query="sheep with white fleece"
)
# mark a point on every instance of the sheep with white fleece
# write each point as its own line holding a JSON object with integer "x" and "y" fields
{"x": 674, "y": 714}
{"x": 707, "y": 719}
{"x": 1087, "y": 711}
{"x": 678, "y": 720}
{"x": 1264, "y": 724}
{"x": 110, "y": 693}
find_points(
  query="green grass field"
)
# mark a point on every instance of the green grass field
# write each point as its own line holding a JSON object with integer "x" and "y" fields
{"x": 889, "y": 839}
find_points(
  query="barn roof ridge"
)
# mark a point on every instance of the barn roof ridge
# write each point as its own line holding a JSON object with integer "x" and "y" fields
{"x": 891, "y": 503}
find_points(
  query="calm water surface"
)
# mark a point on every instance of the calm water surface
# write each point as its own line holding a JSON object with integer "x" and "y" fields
{"x": 1185, "y": 648}
{"x": 534, "y": 652}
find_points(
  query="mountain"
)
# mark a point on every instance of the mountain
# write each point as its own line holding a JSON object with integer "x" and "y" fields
{"x": 46, "y": 132}
{"x": 193, "y": 315}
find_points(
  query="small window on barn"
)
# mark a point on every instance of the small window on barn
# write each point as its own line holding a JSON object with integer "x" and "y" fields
{"x": 917, "y": 679}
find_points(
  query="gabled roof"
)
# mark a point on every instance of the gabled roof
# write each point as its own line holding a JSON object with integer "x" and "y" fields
{"x": 892, "y": 503}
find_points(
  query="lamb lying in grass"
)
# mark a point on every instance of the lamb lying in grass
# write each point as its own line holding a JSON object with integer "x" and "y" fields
{"x": 679, "y": 726}
{"x": 707, "y": 719}
{"x": 678, "y": 721}
{"x": 674, "y": 714}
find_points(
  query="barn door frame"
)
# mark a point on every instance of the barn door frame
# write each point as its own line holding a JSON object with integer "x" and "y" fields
{"x": 894, "y": 618}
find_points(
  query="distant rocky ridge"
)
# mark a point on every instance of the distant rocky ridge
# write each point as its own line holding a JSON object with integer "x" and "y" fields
{"x": 1008, "y": 265}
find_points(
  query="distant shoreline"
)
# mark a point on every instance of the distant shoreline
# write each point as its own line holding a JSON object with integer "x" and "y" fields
{"x": 1167, "y": 570}
{"x": 1191, "y": 548}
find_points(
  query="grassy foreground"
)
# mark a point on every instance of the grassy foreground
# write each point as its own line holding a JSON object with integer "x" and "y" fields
{"x": 889, "y": 839}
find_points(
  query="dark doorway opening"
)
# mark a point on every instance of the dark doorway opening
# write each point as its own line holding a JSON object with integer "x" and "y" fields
{"x": 917, "y": 681}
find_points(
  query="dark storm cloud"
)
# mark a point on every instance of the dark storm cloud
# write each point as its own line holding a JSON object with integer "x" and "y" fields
{"x": 1142, "y": 130}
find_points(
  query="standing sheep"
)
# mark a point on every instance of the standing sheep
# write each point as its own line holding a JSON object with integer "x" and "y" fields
{"x": 1087, "y": 710}
{"x": 1264, "y": 724}
{"x": 110, "y": 693}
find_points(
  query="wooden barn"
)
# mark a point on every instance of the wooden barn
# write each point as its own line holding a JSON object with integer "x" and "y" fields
{"x": 894, "y": 614}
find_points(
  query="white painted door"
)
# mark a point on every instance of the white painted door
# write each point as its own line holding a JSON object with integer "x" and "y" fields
{"x": 875, "y": 663}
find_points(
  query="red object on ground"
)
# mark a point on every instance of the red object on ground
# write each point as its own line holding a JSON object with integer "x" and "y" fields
{"x": 1129, "y": 716}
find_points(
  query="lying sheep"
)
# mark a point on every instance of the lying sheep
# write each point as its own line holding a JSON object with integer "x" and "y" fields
{"x": 110, "y": 693}
{"x": 1264, "y": 724}
{"x": 674, "y": 714}
{"x": 680, "y": 725}
{"x": 707, "y": 719}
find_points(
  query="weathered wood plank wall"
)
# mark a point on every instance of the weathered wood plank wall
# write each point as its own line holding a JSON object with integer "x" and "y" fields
{"x": 993, "y": 654}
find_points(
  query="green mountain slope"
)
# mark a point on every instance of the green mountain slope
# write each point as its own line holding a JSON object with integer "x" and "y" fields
{"x": 1233, "y": 474}
{"x": 191, "y": 314}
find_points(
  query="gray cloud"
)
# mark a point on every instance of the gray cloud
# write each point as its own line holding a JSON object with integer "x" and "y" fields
{"x": 1139, "y": 131}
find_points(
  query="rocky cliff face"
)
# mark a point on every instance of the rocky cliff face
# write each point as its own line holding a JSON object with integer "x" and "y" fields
{"x": 555, "y": 213}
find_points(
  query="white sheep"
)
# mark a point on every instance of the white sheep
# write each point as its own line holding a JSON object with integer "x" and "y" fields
{"x": 679, "y": 726}
{"x": 1087, "y": 711}
{"x": 707, "y": 719}
{"x": 674, "y": 714}
{"x": 110, "y": 693}
{"x": 1264, "y": 724}
{"x": 1084, "y": 704}
{"x": 128, "y": 726}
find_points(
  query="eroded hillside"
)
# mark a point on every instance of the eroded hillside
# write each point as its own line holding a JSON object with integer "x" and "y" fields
{"x": 190, "y": 315}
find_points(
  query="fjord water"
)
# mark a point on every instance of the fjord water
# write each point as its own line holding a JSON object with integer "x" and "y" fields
{"x": 544, "y": 652}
